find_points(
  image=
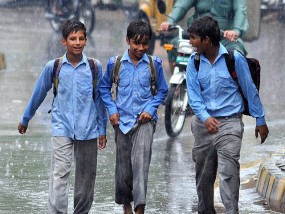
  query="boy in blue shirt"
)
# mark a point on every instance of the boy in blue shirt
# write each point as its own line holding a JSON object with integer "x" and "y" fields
{"x": 218, "y": 127}
{"x": 133, "y": 115}
{"x": 79, "y": 120}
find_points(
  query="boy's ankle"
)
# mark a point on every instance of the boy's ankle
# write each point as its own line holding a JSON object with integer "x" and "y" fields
{"x": 128, "y": 208}
{"x": 140, "y": 209}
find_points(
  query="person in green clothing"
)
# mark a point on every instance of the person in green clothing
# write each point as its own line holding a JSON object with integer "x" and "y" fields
{"x": 230, "y": 14}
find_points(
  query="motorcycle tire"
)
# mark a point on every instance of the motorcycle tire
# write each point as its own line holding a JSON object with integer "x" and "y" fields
{"x": 87, "y": 16}
{"x": 174, "y": 114}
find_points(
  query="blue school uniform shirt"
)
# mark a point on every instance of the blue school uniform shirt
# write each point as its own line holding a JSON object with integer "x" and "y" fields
{"x": 134, "y": 94}
{"x": 75, "y": 112}
{"x": 213, "y": 92}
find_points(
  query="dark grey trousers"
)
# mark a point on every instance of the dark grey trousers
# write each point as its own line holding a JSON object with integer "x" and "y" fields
{"x": 133, "y": 156}
{"x": 218, "y": 152}
{"x": 85, "y": 158}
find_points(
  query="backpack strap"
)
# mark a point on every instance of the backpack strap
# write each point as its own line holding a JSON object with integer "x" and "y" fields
{"x": 197, "y": 61}
{"x": 116, "y": 73}
{"x": 94, "y": 70}
{"x": 116, "y": 70}
{"x": 230, "y": 61}
{"x": 55, "y": 74}
{"x": 152, "y": 76}
{"x": 115, "y": 76}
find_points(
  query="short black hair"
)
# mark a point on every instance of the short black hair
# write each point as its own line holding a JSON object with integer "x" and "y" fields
{"x": 138, "y": 30}
{"x": 72, "y": 25}
{"x": 206, "y": 26}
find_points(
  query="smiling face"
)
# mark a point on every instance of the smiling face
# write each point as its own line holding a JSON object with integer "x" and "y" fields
{"x": 75, "y": 43}
{"x": 138, "y": 46}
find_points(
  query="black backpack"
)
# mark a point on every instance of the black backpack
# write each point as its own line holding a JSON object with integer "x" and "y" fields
{"x": 254, "y": 68}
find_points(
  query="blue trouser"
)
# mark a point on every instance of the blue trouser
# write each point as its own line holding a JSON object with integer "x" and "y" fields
{"x": 85, "y": 159}
{"x": 218, "y": 152}
{"x": 133, "y": 156}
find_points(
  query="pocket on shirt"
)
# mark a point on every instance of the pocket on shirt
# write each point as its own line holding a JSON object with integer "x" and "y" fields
{"x": 226, "y": 80}
{"x": 123, "y": 86}
{"x": 203, "y": 79}
{"x": 145, "y": 85}
{"x": 85, "y": 87}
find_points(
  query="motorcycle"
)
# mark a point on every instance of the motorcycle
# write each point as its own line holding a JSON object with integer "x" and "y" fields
{"x": 82, "y": 10}
{"x": 176, "y": 103}
{"x": 269, "y": 6}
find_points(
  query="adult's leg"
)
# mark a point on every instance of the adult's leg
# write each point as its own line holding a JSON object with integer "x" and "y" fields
{"x": 235, "y": 45}
{"x": 141, "y": 156}
{"x": 172, "y": 55}
{"x": 60, "y": 169}
{"x": 85, "y": 157}
{"x": 228, "y": 149}
{"x": 205, "y": 158}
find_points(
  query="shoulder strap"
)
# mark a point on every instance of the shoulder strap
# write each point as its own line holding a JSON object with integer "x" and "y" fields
{"x": 55, "y": 74}
{"x": 230, "y": 61}
{"x": 197, "y": 61}
{"x": 116, "y": 70}
{"x": 115, "y": 77}
{"x": 152, "y": 76}
{"x": 94, "y": 70}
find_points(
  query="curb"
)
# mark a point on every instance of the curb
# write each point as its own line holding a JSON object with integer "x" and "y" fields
{"x": 271, "y": 182}
{"x": 2, "y": 61}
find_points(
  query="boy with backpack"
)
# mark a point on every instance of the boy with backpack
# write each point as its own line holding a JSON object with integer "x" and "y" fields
{"x": 79, "y": 120}
{"x": 218, "y": 104}
{"x": 133, "y": 114}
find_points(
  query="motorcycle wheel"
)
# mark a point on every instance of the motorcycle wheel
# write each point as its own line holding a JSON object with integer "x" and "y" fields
{"x": 174, "y": 114}
{"x": 87, "y": 16}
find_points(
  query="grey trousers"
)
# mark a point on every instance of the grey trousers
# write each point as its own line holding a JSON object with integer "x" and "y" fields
{"x": 85, "y": 160}
{"x": 133, "y": 156}
{"x": 218, "y": 152}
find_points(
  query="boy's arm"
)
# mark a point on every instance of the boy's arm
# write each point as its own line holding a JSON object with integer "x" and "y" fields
{"x": 162, "y": 88}
{"x": 196, "y": 101}
{"x": 101, "y": 110}
{"x": 105, "y": 88}
{"x": 43, "y": 85}
{"x": 251, "y": 94}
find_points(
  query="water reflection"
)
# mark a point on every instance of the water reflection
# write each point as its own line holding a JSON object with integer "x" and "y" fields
{"x": 180, "y": 176}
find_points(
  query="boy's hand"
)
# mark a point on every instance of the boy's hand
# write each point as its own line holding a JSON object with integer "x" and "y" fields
{"x": 263, "y": 132}
{"x": 144, "y": 117}
{"x": 212, "y": 125}
{"x": 21, "y": 128}
{"x": 102, "y": 142}
{"x": 114, "y": 119}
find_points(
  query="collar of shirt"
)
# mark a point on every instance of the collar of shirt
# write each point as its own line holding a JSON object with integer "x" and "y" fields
{"x": 126, "y": 56}
{"x": 222, "y": 51}
{"x": 83, "y": 60}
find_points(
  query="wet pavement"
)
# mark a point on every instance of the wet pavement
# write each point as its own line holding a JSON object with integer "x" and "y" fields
{"x": 28, "y": 42}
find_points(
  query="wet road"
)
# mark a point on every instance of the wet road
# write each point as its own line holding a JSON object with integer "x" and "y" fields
{"x": 28, "y": 43}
